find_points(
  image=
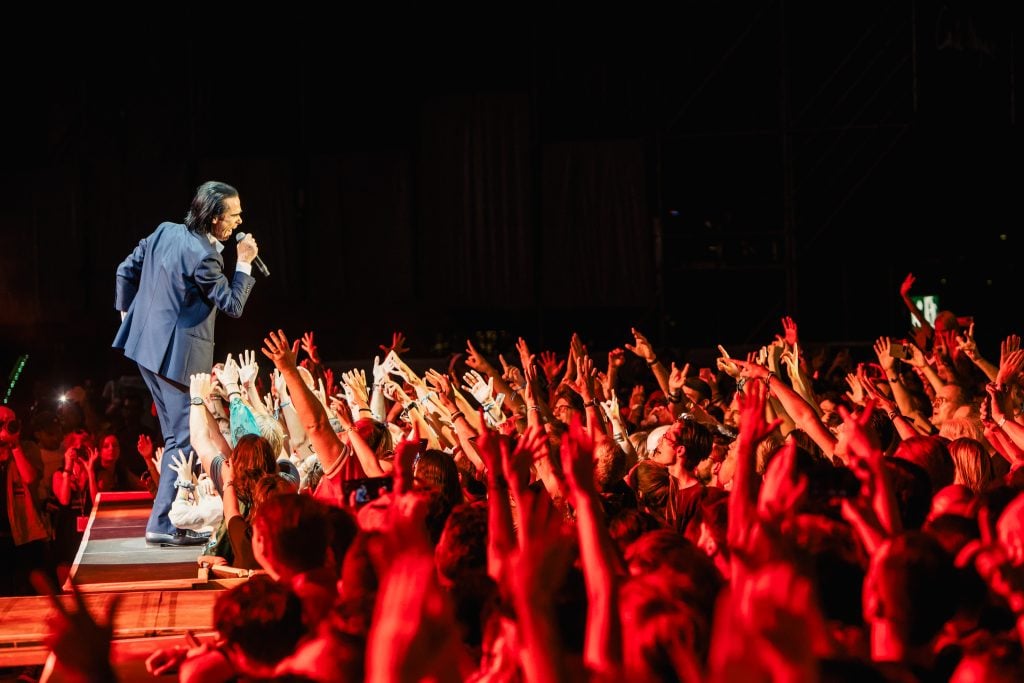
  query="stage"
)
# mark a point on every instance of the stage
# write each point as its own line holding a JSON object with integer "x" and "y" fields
{"x": 166, "y": 593}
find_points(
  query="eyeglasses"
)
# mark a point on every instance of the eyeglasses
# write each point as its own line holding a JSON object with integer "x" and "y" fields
{"x": 13, "y": 426}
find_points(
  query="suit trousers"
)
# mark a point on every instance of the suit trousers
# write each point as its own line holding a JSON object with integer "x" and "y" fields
{"x": 172, "y": 409}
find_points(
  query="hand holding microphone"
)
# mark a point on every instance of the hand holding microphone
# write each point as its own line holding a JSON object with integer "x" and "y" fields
{"x": 248, "y": 251}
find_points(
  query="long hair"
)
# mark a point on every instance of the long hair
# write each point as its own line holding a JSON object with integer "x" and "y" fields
{"x": 252, "y": 458}
{"x": 207, "y": 205}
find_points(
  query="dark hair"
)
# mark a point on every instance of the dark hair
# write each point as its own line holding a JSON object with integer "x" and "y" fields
{"x": 931, "y": 454}
{"x": 697, "y": 439}
{"x": 262, "y": 617}
{"x": 463, "y": 545}
{"x": 251, "y": 458}
{"x": 918, "y": 582}
{"x": 437, "y": 469}
{"x": 207, "y": 204}
{"x": 295, "y": 531}
{"x": 629, "y": 525}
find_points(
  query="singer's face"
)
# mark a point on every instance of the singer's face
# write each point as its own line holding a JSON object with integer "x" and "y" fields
{"x": 223, "y": 225}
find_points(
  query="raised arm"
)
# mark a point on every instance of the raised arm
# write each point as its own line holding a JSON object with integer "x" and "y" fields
{"x": 198, "y": 423}
{"x": 311, "y": 412}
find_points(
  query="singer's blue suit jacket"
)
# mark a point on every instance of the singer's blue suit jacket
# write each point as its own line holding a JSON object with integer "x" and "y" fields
{"x": 172, "y": 286}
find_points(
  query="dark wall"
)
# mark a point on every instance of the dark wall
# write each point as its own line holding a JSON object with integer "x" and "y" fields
{"x": 698, "y": 176}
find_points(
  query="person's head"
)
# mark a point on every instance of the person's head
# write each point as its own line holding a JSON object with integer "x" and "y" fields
{"x": 973, "y": 466}
{"x": 609, "y": 462}
{"x": 215, "y": 210}
{"x": 910, "y": 585}
{"x": 375, "y": 434}
{"x": 955, "y": 499}
{"x": 567, "y": 403}
{"x": 251, "y": 458}
{"x": 656, "y": 410}
{"x": 260, "y": 622}
{"x": 931, "y": 454}
{"x": 697, "y": 390}
{"x": 436, "y": 470}
{"x": 110, "y": 451}
{"x": 947, "y": 404}
{"x": 270, "y": 429}
{"x": 630, "y": 524}
{"x": 71, "y": 416}
{"x": 1010, "y": 529}
{"x": 46, "y": 430}
{"x": 463, "y": 545}
{"x": 289, "y": 534}
{"x": 686, "y": 443}
{"x": 270, "y": 485}
{"x": 10, "y": 426}
{"x": 650, "y": 481}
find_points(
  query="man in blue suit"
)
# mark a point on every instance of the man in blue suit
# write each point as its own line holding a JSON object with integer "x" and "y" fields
{"x": 168, "y": 291}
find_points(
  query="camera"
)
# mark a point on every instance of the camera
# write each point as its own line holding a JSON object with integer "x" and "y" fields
{"x": 901, "y": 348}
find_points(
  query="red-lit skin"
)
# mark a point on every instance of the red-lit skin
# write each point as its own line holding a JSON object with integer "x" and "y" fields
{"x": 110, "y": 451}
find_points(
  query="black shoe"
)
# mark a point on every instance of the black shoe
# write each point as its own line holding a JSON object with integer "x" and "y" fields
{"x": 178, "y": 538}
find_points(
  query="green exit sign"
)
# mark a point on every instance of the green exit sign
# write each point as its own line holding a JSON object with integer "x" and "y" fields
{"x": 929, "y": 307}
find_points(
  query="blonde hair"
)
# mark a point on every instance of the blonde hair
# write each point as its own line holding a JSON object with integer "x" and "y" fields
{"x": 973, "y": 464}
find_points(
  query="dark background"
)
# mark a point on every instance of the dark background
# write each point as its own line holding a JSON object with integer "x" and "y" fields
{"x": 698, "y": 173}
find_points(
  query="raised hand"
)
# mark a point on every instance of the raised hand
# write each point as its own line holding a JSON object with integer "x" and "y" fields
{"x": 183, "y": 467}
{"x": 145, "y": 446}
{"x": 677, "y": 378}
{"x": 397, "y": 344}
{"x": 1008, "y": 346}
{"x": 578, "y": 457}
{"x": 1009, "y": 369}
{"x": 550, "y": 365}
{"x": 523, "y": 349}
{"x": 789, "y": 331}
{"x": 783, "y": 488}
{"x": 856, "y": 392}
{"x": 475, "y": 359}
{"x": 277, "y": 348}
{"x": 443, "y": 388}
{"x": 309, "y": 347}
{"x": 530, "y": 447}
{"x": 640, "y": 346}
{"x": 380, "y": 372}
{"x": 480, "y": 389}
{"x": 726, "y": 364}
{"x": 249, "y": 368}
{"x": 883, "y": 348}
{"x": 405, "y": 456}
{"x": 967, "y": 344}
{"x": 94, "y": 457}
{"x": 229, "y": 373}
{"x": 611, "y": 409}
{"x": 353, "y": 383}
{"x": 511, "y": 374}
{"x": 908, "y": 284}
{"x": 80, "y": 643}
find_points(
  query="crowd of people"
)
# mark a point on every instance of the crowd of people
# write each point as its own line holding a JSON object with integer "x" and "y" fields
{"x": 540, "y": 516}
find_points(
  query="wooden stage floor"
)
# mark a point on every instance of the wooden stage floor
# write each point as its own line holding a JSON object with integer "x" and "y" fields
{"x": 165, "y": 592}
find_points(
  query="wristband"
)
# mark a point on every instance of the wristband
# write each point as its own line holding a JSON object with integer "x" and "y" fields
{"x": 652, "y": 362}
{"x": 590, "y": 404}
{"x": 1001, "y": 422}
{"x": 675, "y": 397}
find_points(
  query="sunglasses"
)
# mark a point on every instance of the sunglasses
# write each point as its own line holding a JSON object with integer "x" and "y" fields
{"x": 12, "y": 426}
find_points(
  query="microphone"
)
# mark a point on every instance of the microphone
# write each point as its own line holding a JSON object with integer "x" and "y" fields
{"x": 258, "y": 262}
